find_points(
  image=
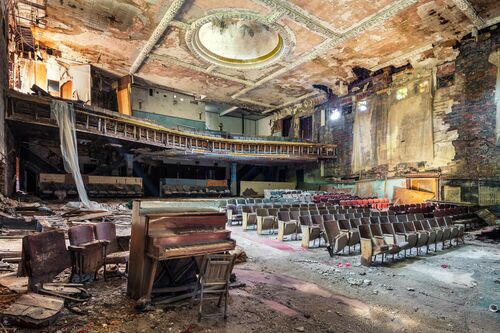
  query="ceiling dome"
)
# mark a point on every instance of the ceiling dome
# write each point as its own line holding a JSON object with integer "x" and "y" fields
{"x": 238, "y": 41}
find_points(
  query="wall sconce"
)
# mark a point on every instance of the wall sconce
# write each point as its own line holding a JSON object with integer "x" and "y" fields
{"x": 335, "y": 114}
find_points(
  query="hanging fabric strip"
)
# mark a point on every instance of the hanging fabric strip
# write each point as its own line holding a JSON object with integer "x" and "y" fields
{"x": 64, "y": 114}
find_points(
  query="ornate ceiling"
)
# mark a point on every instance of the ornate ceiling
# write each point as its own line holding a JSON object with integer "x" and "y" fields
{"x": 290, "y": 45}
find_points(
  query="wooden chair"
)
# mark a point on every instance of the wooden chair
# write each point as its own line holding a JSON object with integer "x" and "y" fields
{"x": 213, "y": 278}
{"x": 116, "y": 249}
{"x": 87, "y": 253}
{"x": 44, "y": 255}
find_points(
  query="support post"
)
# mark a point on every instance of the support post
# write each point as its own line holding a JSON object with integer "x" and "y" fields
{"x": 129, "y": 158}
{"x": 234, "y": 179}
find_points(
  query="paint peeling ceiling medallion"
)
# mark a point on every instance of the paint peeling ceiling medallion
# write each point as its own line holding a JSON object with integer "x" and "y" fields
{"x": 239, "y": 39}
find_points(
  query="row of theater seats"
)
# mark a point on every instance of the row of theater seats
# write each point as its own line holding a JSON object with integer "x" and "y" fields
{"x": 234, "y": 206}
{"x": 461, "y": 215}
{"x": 373, "y": 203}
{"x": 379, "y": 233}
{"x": 289, "y": 221}
{"x": 333, "y": 198}
{"x": 193, "y": 191}
{"x": 413, "y": 208}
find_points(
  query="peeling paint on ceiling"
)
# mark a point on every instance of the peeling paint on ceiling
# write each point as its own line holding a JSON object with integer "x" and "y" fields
{"x": 111, "y": 33}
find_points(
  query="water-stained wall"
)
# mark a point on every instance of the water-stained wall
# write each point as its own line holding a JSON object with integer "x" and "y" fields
{"x": 437, "y": 116}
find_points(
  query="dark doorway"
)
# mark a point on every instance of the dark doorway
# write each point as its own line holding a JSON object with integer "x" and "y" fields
{"x": 287, "y": 126}
{"x": 305, "y": 128}
{"x": 299, "y": 173}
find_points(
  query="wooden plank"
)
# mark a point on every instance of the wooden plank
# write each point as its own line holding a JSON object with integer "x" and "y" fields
{"x": 90, "y": 216}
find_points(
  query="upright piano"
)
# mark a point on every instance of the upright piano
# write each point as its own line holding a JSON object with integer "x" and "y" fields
{"x": 166, "y": 234}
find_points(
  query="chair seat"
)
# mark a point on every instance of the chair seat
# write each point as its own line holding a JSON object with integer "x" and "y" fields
{"x": 117, "y": 257}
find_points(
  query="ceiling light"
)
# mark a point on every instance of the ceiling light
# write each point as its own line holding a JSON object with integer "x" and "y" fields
{"x": 334, "y": 114}
{"x": 362, "y": 106}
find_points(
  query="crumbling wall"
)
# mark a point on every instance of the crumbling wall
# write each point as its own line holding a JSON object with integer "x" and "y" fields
{"x": 449, "y": 126}
{"x": 3, "y": 87}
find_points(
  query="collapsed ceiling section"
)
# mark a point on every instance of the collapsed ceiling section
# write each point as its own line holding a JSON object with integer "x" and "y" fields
{"x": 257, "y": 54}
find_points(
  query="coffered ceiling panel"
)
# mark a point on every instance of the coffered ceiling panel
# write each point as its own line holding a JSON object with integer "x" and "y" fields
{"x": 342, "y": 14}
{"x": 315, "y": 41}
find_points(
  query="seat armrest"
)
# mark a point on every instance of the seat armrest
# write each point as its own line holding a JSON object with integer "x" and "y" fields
{"x": 76, "y": 248}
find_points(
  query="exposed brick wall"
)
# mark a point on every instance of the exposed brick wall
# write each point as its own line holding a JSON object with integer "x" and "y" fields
{"x": 3, "y": 87}
{"x": 473, "y": 114}
{"x": 464, "y": 118}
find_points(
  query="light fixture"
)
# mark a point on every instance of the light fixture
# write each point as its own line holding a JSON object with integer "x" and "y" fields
{"x": 182, "y": 99}
{"x": 362, "y": 106}
{"x": 334, "y": 114}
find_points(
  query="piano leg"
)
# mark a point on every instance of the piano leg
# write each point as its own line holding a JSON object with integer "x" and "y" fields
{"x": 151, "y": 280}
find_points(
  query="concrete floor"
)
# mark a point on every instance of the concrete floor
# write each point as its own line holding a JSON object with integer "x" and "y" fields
{"x": 449, "y": 290}
{"x": 291, "y": 289}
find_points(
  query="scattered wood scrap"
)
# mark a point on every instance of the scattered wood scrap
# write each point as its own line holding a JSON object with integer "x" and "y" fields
{"x": 90, "y": 216}
{"x": 33, "y": 310}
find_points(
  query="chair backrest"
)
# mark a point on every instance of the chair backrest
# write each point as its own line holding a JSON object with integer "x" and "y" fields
{"x": 294, "y": 215}
{"x": 328, "y": 217}
{"x": 376, "y": 229}
{"x": 216, "y": 269}
{"x": 81, "y": 234}
{"x": 247, "y": 209}
{"x": 344, "y": 224}
{"x": 399, "y": 227}
{"x": 107, "y": 231}
{"x": 317, "y": 219}
{"x": 409, "y": 227}
{"x": 364, "y": 231}
{"x": 44, "y": 255}
{"x": 305, "y": 220}
{"x": 418, "y": 225}
{"x": 402, "y": 218}
{"x": 339, "y": 217}
{"x": 383, "y": 219}
{"x": 393, "y": 218}
{"x": 375, "y": 213}
{"x": 387, "y": 228}
{"x": 374, "y": 219}
{"x": 262, "y": 212}
{"x": 365, "y": 220}
{"x": 284, "y": 216}
{"x": 411, "y": 217}
{"x": 273, "y": 211}
{"x": 332, "y": 229}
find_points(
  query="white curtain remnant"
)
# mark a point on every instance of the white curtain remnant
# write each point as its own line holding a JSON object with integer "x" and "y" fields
{"x": 64, "y": 114}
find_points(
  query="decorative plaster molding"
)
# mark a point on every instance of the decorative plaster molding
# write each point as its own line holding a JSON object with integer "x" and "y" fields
{"x": 491, "y": 22}
{"x": 156, "y": 35}
{"x": 180, "y": 25}
{"x": 208, "y": 71}
{"x": 402, "y": 57}
{"x": 286, "y": 34}
{"x": 466, "y": 7}
{"x": 303, "y": 17}
{"x": 248, "y": 100}
{"x": 379, "y": 17}
{"x": 275, "y": 15}
{"x": 296, "y": 100}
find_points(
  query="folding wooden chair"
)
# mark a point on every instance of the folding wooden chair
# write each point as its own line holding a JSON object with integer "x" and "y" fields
{"x": 213, "y": 278}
